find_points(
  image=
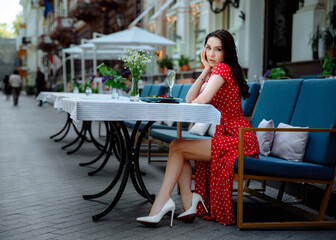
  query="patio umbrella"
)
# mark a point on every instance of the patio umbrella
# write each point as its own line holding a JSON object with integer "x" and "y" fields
{"x": 94, "y": 49}
{"x": 132, "y": 36}
{"x": 88, "y": 51}
{"x": 72, "y": 50}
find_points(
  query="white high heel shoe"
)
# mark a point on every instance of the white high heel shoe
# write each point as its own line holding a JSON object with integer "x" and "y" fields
{"x": 190, "y": 214}
{"x": 153, "y": 220}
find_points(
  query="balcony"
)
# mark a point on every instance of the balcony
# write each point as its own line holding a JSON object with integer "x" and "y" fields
{"x": 85, "y": 10}
{"x": 108, "y": 4}
{"x": 41, "y": 3}
{"x": 61, "y": 30}
{"x": 45, "y": 43}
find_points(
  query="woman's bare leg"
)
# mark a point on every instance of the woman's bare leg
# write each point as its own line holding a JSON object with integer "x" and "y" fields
{"x": 180, "y": 151}
{"x": 185, "y": 185}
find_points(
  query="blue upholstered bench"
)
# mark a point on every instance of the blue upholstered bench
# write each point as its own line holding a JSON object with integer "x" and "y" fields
{"x": 299, "y": 103}
{"x": 147, "y": 91}
{"x": 168, "y": 135}
{"x": 249, "y": 103}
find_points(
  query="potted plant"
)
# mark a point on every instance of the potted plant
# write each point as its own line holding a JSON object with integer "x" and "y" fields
{"x": 183, "y": 63}
{"x": 329, "y": 33}
{"x": 201, "y": 64}
{"x": 314, "y": 41}
{"x": 327, "y": 66}
{"x": 75, "y": 85}
{"x": 277, "y": 73}
{"x": 112, "y": 79}
{"x": 165, "y": 63}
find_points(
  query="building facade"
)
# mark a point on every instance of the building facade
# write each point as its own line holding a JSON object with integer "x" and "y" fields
{"x": 268, "y": 33}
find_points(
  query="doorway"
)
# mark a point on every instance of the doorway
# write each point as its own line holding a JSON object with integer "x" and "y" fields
{"x": 278, "y": 31}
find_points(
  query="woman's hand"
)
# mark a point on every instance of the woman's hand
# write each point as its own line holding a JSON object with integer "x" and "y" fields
{"x": 204, "y": 59}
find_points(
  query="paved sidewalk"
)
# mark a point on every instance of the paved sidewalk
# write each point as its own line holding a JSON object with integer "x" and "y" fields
{"x": 42, "y": 187}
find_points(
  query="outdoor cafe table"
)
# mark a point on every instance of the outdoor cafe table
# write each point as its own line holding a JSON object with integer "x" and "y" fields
{"x": 116, "y": 112}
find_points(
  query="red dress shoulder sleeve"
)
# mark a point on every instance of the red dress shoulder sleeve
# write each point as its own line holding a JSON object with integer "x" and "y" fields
{"x": 223, "y": 70}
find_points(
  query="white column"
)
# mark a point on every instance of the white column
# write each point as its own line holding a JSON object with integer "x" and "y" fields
{"x": 255, "y": 40}
{"x": 72, "y": 67}
{"x": 94, "y": 60}
{"x": 83, "y": 66}
{"x": 305, "y": 22}
{"x": 64, "y": 72}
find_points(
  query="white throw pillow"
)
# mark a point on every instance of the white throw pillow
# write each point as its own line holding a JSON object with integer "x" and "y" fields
{"x": 212, "y": 130}
{"x": 168, "y": 123}
{"x": 289, "y": 145}
{"x": 199, "y": 128}
{"x": 265, "y": 139}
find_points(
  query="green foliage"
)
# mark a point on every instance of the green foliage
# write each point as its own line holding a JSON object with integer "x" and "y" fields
{"x": 327, "y": 65}
{"x": 166, "y": 62}
{"x": 277, "y": 73}
{"x": 111, "y": 78}
{"x": 314, "y": 41}
{"x": 83, "y": 87}
{"x": 5, "y": 31}
{"x": 75, "y": 83}
{"x": 104, "y": 70}
{"x": 17, "y": 22}
{"x": 329, "y": 34}
{"x": 183, "y": 60}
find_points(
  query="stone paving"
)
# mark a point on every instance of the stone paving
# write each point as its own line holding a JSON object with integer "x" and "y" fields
{"x": 42, "y": 187}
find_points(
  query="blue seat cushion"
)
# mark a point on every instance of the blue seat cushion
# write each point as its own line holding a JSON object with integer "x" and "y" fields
{"x": 168, "y": 135}
{"x": 184, "y": 91}
{"x": 157, "y": 90}
{"x": 176, "y": 90}
{"x": 277, "y": 167}
{"x": 131, "y": 124}
{"x": 316, "y": 108}
{"x": 249, "y": 102}
{"x": 276, "y": 101}
{"x": 146, "y": 90}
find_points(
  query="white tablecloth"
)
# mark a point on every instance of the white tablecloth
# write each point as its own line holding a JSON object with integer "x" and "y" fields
{"x": 55, "y": 97}
{"x": 120, "y": 110}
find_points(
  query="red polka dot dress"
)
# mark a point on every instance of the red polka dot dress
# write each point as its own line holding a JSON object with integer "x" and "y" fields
{"x": 214, "y": 179}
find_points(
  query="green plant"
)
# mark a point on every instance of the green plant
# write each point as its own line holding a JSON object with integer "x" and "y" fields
{"x": 111, "y": 78}
{"x": 83, "y": 87}
{"x": 327, "y": 65}
{"x": 166, "y": 62}
{"x": 183, "y": 60}
{"x": 332, "y": 18}
{"x": 75, "y": 83}
{"x": 277, "y": 73}
{"x": 314, "y": 41}
{"x": 329, "y": 34}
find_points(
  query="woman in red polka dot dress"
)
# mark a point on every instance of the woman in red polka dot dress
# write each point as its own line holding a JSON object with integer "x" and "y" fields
{"x": 215, "y": 157}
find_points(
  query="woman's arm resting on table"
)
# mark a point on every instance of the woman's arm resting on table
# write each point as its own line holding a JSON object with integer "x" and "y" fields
{"x": 211, "y": 88}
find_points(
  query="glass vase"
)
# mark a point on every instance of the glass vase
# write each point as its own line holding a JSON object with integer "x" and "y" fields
{"x": 115, "y": 93}
{"x": 134, "y": 95}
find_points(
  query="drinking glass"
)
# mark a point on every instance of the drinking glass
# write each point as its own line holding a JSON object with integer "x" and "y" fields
{"x": 171, "y": 80}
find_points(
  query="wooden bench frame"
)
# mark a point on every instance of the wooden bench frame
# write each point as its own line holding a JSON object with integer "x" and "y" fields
{"x": 315, "y": 220}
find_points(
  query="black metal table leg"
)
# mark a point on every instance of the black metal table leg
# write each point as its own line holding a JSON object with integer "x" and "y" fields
{"x": 144, "y": 193}
{"x": 104, "y": 150}
{"x": 129, "y": 166}
{"x": 82, "y": 137}
{"x": 66, "y": 125}
{"x": 123, "y": 159}
{"x": 79, "y": 136}
{"x": 114, "y": 138}
{"x": 125, "y": 176}
{"x": 93, "y": 140}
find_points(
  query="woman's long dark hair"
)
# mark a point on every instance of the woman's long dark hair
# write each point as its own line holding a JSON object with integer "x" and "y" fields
{"x": 231, "y": 59}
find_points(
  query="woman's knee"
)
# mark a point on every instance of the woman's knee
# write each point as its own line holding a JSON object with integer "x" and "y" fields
{"x": 177, "y": 144}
